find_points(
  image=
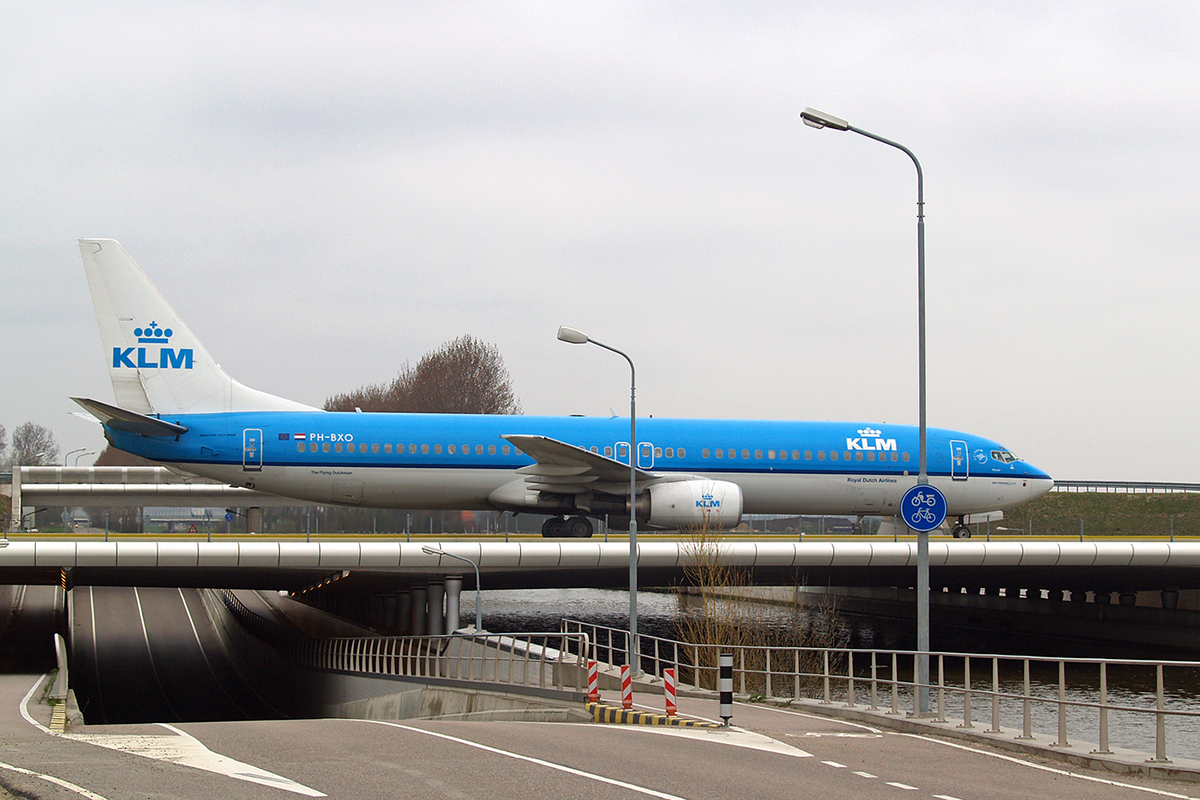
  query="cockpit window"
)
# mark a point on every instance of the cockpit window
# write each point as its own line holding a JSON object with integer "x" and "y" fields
{"x": 1004, "y": 457}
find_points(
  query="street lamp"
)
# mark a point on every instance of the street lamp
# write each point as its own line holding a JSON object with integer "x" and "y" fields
{"x": 573, "y": 336}
{"x": 73, "y": 452}
{"x": 33, "y": 513}
{"x": 81, "y": 455}
{"x": 434, "y": 551}
{"x": 819, "y": 119}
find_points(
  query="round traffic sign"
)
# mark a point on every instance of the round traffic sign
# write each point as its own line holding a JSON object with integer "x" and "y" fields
{"x": 923, "y": 508}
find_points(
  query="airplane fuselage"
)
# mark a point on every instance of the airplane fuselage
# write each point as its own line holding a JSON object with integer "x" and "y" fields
{"x": 444, "y": 461}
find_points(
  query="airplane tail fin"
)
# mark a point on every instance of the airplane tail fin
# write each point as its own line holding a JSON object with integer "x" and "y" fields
{"x": 156, "y": 364}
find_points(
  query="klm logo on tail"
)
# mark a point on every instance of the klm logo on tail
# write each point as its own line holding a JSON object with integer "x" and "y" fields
{"x": 146, "y": 358}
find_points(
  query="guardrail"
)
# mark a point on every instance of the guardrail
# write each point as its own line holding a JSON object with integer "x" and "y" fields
{"x": 1126, "y": 487}
{"x": 541, "y": 660}
{"x": 859, "y": 676}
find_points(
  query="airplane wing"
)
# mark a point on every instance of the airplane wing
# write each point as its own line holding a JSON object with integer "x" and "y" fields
{"x": 125, "y": 420}
{"x": 563, "y": 468}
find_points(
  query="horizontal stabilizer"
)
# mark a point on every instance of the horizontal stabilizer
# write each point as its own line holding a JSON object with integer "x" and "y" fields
{"x": 130, "y": 421}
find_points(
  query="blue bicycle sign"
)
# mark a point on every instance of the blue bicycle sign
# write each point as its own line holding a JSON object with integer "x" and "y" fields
{"x": 923, "y": 508}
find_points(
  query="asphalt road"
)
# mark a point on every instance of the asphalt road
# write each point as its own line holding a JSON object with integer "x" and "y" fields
{"x": 771, "y": 754}
{"x": 152, "y": 655}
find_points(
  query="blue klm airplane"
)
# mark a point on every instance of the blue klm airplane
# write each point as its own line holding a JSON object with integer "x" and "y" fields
{"x": 175, "y": 405}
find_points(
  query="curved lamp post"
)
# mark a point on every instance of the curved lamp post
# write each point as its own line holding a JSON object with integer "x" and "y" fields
{"x": 573, "y": 336}
{"x": 819, "y": 119}
{"x": 435, "y": 551}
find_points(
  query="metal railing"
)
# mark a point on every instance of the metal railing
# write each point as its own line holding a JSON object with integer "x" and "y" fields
{"x": 550, "y": 660}
{"x": 1022, "y": 691}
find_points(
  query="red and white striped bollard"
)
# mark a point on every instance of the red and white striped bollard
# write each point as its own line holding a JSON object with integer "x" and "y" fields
{"x": 593, "y": 682}
{"x": 669, "y": 690}
{"x": 627, "y": 687}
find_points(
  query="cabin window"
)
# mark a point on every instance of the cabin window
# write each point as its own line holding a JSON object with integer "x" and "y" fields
{"x": 704, "y": 453}
{"x": 820, "y": 455}
{"x": 658, "y": 452}
{"x": 452, "y": 449}
{"x": 859, "y": 456}
{"x": 362, "y": 448}
{"x": 437, "y": 449}
{"x": 505, "y": 450}
{"x": 375, "y": 447}
{"x": 324, "y": 447}
{"x": 833, "y": 455}
{"x": 758, "y": 454}
{"x": 387, "y": 447}
{"x": 871, "y": 456}
{"x": 478, "y": 449}
{"x": 721, "y": 453}
{"x": 670, "y": 452}
{"x": 491, "y": 449}
{"x": 299, "y": 447}
{"x": 424, "y": 449}
{"x": 607, "y": 452}
{"x": 337, "y": 448}
{"x": 904, "y": 457}
{"x": 682, "y": 454}
{"x": 412, "y": 449}
{"x": 807, "y": 455}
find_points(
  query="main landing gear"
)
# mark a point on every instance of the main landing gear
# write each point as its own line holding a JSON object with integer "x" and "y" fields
{"x": 573, "y": 528}
{"x": 961, "y": 531}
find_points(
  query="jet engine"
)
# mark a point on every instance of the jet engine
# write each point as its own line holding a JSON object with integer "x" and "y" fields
{"x": 717, "y": 504}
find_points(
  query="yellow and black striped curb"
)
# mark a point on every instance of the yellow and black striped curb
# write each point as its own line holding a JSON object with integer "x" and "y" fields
{"x": 58, "y": 718}
{"x": 620, "y": 716}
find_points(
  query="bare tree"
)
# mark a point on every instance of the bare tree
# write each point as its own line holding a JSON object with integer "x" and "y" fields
{"x": 3, "y": 443}
{"x": 465, "y": 376}
{"x": 33, "y": 445}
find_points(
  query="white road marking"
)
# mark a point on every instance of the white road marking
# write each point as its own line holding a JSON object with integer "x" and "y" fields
{"x": 834, "y": 764}
{"x": 79, "y": 790}
{"x": 188, "y": 751}
{"x": 794, "y": 713}
{"x": 734, "y": 737}
{"x": 518, "y": 756}
{"x": 904, "y": 786}
{"x": 865, "y": 775}
{"x": 1052, "y": 770}
{"x": 182, "y": 749}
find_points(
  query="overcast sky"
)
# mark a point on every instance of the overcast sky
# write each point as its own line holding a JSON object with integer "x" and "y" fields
{"x": 326, "y": 191}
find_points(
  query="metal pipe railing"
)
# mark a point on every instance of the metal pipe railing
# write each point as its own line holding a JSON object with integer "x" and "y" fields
{"x": 831, "y": 672}
{"x": 545, "y": 660}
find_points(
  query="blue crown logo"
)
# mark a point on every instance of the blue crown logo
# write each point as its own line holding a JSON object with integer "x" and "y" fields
{"x": 153, "y": 334}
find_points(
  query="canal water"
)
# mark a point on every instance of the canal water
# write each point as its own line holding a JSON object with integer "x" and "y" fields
{"x": 659, "y": 614}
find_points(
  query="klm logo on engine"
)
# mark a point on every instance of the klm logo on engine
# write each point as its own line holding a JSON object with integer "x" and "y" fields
{"x": 144, "y": 357}
{"x": 708, "y": 501}
{"x": 868, "y": 439}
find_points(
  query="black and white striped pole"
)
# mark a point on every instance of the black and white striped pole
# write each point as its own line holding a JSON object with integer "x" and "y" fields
{"x": 725, "y": 687}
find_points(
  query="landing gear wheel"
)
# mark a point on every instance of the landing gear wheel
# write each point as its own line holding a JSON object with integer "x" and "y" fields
{"x": 578, "y": 528}
{"x": 553, "y": 528}
{"x": 962, "y": 532}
